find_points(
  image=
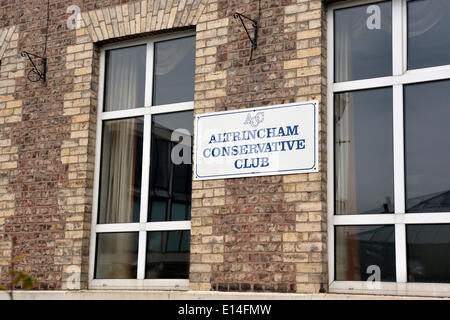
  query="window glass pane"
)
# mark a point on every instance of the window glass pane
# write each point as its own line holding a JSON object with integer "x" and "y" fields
{"x": 167, "y": 255}
{"x": 363, "y": 42}
{"x": 427, "y": 146}
{"x": 171, "y": 176}
{"x": 428, "y": 33}
{"x": 125, "y": 78}
{"x": 174, "y": 64}
{"x": 358, "y": 247}
{"x": 364, "y": 163}
{"x": 116, "y": 255}
{"x": 121, "y": 169}
{"x": 428, "y": 251}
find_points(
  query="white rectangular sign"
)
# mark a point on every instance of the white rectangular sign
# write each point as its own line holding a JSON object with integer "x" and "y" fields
{"x": 272, "y": 140}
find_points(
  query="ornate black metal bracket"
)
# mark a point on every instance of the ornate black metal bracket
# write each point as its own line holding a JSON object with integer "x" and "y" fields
{"x": 255, "y": 24}
{"x": 41, "y": 75}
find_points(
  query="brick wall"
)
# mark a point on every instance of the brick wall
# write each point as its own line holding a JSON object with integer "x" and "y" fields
{"x": 260, "y": 234}
{"x": 265, "y": 233}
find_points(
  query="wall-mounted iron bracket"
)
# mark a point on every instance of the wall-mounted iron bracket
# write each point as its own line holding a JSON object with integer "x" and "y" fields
{"x": 35, "y": 71}
{"x": 255, "y": 24}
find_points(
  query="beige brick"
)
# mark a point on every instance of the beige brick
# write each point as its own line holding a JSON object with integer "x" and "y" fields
{"x": 201, "y": 230}
{"x": 309, "y": 52}
{"x": 212, "y": 258}
{"x": 196, "y": 267}
{"x": 309, "y": 267}
{"x": 308, "y": 206}
{"x": 294, "y": 64}
{"x": 308, "y": 226}
{"x": 296, "y": 8}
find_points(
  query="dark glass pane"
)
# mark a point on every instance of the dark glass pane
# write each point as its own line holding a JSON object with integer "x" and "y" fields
{"x": 117, "y": 255}
{"x": 364, "y": 164}
{"x": 427, "y": 146}
{"x": 171, "y": 169}
{"x": 179, "y": 211}
{"x": 158, "y": 210}
{"x": 363, "y": 42}
{"x": 174, "y": 68}
{"x": 358, "y": 247}
{"x": 125, "y": 78}
{"x": 428, "y": 33}
{"x": 167, "y": 255}
{"x": 428, "y": 251}
{"x": 121, "y": 170}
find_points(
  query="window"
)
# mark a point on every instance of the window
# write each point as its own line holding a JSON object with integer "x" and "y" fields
{"x": 143, "y": 176}
{"x": 389, "y": 146}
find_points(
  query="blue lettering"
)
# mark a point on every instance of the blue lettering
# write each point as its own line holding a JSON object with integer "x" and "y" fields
{"x": 215, "y": 154}
{"x": 264, "y": 162}
{"x": 292, "y": 131}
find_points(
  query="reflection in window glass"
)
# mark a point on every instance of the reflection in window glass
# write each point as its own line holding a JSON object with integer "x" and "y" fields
{"x": 125, "y": 78}
{"x": 116, "y": 255}
{"x": 121, "y": 170}
{"x": 170, "y": 182}
{"x": 168, "y": 255}
{"x": 363, "y": 42}
{"x": 428, "y": 33}
{"x": 174, "y": 65}
{"x": 358, "y": 247}
{"x": 364, "y": 163}
{"x": 427, "y": 146}
{"x": 428, "y": 252}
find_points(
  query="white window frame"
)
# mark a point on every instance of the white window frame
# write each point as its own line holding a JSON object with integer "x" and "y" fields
{"x": 142, "y": 226}
{"x": 400, "y": 77}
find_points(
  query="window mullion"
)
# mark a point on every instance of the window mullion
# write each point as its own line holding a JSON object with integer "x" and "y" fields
{"x": 400, "y": 252}
{"x": 399, "y": 161}
{"x": 142, "y": 248}
{"x": 398, "y": 66}
{"x": 149, "y": 75}
{"x": 144, "y": 196}
{"x": 399, "y": 183}
{"x": 98, "y": 148}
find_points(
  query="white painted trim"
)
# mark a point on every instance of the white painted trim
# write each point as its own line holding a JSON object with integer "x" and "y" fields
{"x": 174, "y": 107}
{"x": 401, "y": 76}
{"x": 398, "y": 149}
{"x": 410, "y": 76}
{"x": 139, "y": 284}
{"x": 404, "y": 36}
{"x": 122, "y": 114}
{"x": 98, "y": 148}
{"x": 384, "y": 218}
{"x": 139, "y": 112}
{"x": 142, "y": 255}
{"x": 117, "y": 227}
{"x": 392, "y": 288}
{"x": 168, "y": 226}
{"x": 155, "y": 38}
{"x": 400, "y": 253}
{"x": 149, "y": 74}
{"x": 397, "y": 38}
{"x": 143, "y": 226}
{"x": 330, "y": 144}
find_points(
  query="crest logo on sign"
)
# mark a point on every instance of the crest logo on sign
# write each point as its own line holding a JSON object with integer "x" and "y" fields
{"x": 256, "y": 120}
